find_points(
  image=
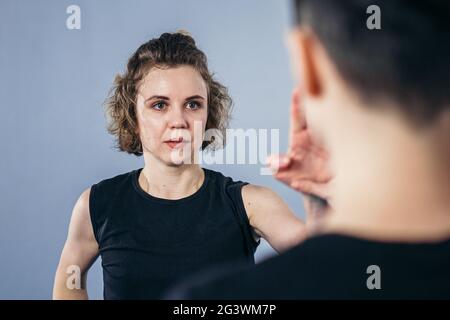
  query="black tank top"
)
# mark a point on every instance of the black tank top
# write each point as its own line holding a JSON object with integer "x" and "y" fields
{"x": 147, "y": 244}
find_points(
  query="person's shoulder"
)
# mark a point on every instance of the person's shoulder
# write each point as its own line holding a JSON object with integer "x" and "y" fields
{"x": 268, "y": 279}
{"x": 115, "y": 180}
{"x": 302, "y": 272}
{"x": 223, "y": 181}
{"x": 221, "y": 176}
{"x": 333, "y": 266}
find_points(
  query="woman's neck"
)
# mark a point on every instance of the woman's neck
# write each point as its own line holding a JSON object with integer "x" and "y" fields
{"x": 170, "y": 181}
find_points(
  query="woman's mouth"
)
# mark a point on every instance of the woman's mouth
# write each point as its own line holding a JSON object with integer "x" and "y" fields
{"x": 177, "y": 143}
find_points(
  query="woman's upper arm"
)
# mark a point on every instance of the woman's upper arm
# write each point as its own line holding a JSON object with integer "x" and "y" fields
{"x": 271, "y": 218}
{"x": 81, "y": 247}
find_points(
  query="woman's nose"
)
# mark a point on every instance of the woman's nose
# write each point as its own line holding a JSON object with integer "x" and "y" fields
{"x": 177, "y": 119}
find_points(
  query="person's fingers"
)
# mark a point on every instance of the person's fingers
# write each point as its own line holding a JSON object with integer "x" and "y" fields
{"x": 297, "y": 118}
{"x": 278, "y": 162}
{"x": 320, "y": 190}
{"x": 284, "y": 176}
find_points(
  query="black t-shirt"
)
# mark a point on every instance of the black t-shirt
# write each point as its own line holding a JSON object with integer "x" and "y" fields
{"x": 147, "y": 243}
{"x": 334, "y": 267}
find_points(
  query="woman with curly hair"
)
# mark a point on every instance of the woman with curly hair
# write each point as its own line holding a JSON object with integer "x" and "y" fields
{"x": 157, "y": 224}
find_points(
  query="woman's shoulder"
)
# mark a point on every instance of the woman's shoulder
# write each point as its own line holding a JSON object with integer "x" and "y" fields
{"x": 102, "y": 192}
{"x": 110, "y": 187}
{"x": 222, "y": 179}
{"x": 233, "y": 184}
{"x": 116, "y": 180}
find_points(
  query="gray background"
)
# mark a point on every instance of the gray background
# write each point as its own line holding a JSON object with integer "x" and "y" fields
{"x": 53, "y": 82}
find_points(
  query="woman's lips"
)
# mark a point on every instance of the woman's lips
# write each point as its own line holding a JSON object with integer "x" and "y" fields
{"x": 175, "y": 143}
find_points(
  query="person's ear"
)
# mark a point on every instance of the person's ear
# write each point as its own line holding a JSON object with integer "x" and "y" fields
{"x": 302, "y": 47}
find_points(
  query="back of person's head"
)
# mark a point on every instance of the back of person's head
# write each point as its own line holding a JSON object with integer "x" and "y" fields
{"x": 406, "y": 61}
{"x": 380, "y": 99}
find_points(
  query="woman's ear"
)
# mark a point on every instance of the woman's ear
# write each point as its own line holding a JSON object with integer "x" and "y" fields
{"x": 302, "y": 47}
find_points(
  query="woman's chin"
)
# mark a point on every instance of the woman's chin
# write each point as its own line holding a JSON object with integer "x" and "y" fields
{"x": 178, "y": 157}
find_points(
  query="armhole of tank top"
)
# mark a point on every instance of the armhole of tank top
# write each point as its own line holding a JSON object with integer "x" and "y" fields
{"x": 243, "y": 217}
{"x": 93, "y": 213}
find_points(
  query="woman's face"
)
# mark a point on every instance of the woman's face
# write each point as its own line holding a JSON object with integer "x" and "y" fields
{"x": 170, "y": 104}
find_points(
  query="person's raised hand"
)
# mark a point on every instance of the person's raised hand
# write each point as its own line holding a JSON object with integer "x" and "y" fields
{"x": 305, "y": 167}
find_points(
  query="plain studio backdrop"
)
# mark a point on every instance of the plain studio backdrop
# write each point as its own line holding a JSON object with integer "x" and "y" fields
{"x": 53, "y": 83}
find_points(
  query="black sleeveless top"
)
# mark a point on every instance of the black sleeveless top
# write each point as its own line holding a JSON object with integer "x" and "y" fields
{"x": 147, "y": 244}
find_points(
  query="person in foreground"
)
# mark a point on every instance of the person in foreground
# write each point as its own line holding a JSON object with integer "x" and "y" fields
{"x": 378, "y": 102}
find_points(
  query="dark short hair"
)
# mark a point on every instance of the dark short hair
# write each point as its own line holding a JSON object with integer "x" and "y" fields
{"x": 169, "y": 50}
{"x": 407, "y": 61}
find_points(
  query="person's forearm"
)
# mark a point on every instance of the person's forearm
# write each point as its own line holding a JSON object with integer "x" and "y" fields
{"x": 66, "y": 294}
{"x": 62, "y": 292}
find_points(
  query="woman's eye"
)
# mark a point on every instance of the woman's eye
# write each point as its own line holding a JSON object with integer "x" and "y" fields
{"x": 159, "y": 106}
{"x": 193, "y": 105}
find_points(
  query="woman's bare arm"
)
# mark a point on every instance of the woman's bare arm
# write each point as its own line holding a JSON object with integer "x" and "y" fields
{"x": 271, "y": 218}
{"x": 79, "y": 253}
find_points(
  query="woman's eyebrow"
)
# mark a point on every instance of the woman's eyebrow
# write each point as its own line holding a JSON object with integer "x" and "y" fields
{"x": 157, "y": 97}
{"x": 195, "y": 97}
{"x": 167, "y": 98}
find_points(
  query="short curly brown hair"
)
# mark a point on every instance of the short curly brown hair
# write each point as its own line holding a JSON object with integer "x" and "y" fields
{"x": 168, "y": 51}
